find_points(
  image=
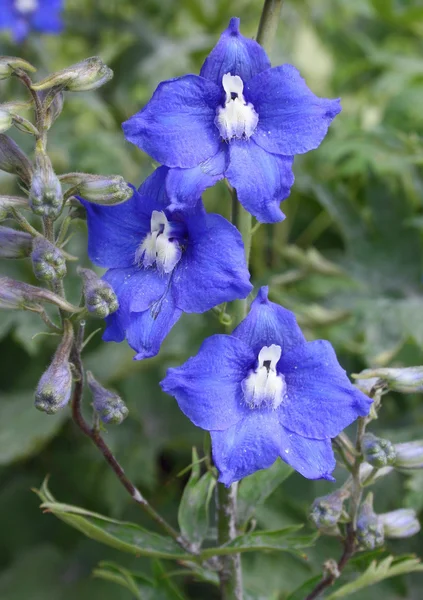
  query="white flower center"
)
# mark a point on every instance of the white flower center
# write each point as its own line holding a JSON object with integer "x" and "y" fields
{"x": 159, "y": 247}
{"x": 236, "y": 119}
{"x": 265, "y": 385}
{"x": 26, "y": 6}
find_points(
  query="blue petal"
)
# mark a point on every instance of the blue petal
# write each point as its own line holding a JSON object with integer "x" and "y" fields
{"x": 154, "y": 189}
{"x": 185, "y": 186}
{"x": 213, "y": 268}
{"x": 7, "y": 16}
{"x": 251, "y": 444}
{"x": 177, "y": 126}
{"x": 208, "y": 386}
{"x": 115, "y": 232}
{"x": 47, "y": 17}
{"x": 262, "y": 180}
{"x": 268, "y": 323}
{"x": 314, "y": 459}
{"x": 148, "y": 329}
{"x": 133, "y": 286}
{"x": 234, "y": 54}
{"x": 320, "y": 401}
{"x": 292, "y": 120}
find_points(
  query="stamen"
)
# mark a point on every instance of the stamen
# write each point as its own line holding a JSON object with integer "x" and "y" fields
{"x": 159, "y": 247}
{"x": 265, "y": 386}
{"x": 236, "y": 119}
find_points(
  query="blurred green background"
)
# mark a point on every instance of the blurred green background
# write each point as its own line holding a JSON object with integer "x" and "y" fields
{"x": 347, "y": 260}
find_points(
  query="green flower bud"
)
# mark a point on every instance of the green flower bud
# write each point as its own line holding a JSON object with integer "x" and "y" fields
{"x": 14, "y": 244}
{"x": 370, "y": 531}
{"x": 8, "y": 203}
{"x": 109, "y": 406}
{"x": 53, "y": 109}
{"x": 55, "y": 386}
{"x": 326, "y": 511}
{"x": 400, "y": 523}
{"x": 19, "y": 295}
{"x": 13, "y": 160}
{"x": 100, "y": 190}
{"x": 407, "y": 380}
{"x": 409, "y": 455}
{"x": 378, "y": 452}
{"x": 100, "y": 299}
{"x": 6, "y": 120}
{"x": 9, "y": 63}
{"x": 48, "y": 262}
{"x": 45, "y": 196}
{"x": 84, "y": 76}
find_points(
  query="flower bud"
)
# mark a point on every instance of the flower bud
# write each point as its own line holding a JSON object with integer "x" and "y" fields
{"x": 87, "y": 75}
{"x": 55, "y": 386}
{"x": 9, "y": 63}
{"x": 48, "y": 262}
{"x": 407, "y": 380}
{"x": 6, "y": 120}
{"x": 327, "y": 510}
{"x": 409, "y": 455}
{"x": 378, "y": 452}
{"x": 45, "y": 196}
{"x": 13, "y": 160}
{"x": 369, "y": 533}
{"x": 367, "y": 472}
{"x": 53, "y": 109}
{"x": 100, "y": 299}
{"x": 102, "y": 190}
{"x": 109, "y": 406}
{"x": 400, "y": 523}
{"x": 8, "y": 203}
{"x": 14, "y": 244}
{"x": 19, "y": 295}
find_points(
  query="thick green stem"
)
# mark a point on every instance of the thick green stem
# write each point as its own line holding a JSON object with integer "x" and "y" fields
{"x": 269, "y": 23}
{"x": 231, "y": 574}
{"x": 242, "y": 220}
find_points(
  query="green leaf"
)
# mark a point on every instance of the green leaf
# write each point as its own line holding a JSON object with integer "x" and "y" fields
{"x": 308, "y": 586}
{"x": 254, "y": 489}
{"x": 23, "y": 429}
{"x": 377, "y": 572}
{"x": 281, "y": 540}
{"x": 123, "y": 536}
{"x": 193, "y": 514}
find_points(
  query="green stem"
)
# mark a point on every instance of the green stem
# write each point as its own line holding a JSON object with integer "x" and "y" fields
{"x": 269, "y": 23}
{"x": 230, "y": 575}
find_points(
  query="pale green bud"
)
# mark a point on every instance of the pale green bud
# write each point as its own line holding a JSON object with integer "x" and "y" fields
{"x": 14, "y": 244}
{"x": 9, "y": 63}
{"x": 13, "y": 160}
{"x": 45, "y": 196}
{"x": 409, "y": 455}
{"x": 326, "y": 511}
{"x": 109, "y": 406}
{"x": 370, "y": 531}
{"x": 19, "y": 295}
{"x": 407, "y": 380}
{"x": 103, "y": 190}
{"x": 378, "y": 452}
{"x": 8, "y": 203}
{"x": 100, "y": 299}
{"x": 6, "y": 120}
{"x": 400, "y": 523}
{"x": 84, "y": 76}
{"x": 48, "y": 261}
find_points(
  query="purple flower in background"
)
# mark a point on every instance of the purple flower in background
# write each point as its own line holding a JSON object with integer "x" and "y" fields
{"x": 20, "y": 16}
{"x": 265, "y": 392}
{"x": 162, "y": 263}
{"x": 239, "y": 119}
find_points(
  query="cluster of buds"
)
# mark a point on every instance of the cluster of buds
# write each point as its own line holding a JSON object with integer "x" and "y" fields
{"x": 48, "y": 262}
{"x": 100, "y": 299}
{"x": 109, "y": 406}
{"x": 45, "y": 195}
{"x": 377, "y": 451}
{"x": 327, "y": 511}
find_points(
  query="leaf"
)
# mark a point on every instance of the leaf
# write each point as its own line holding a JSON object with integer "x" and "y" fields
{"x": 193, "y": 514}
{"x": 23, "y": 429}
{"x": 254, "y": 489}
{"x": 308, "y": 586}
{"x": 377, "y": 572}
{"x": 281, "y": 540}
{"x": 124, "y": 536}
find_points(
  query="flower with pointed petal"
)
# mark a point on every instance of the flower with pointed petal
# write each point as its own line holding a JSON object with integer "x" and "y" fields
{"x": 265, "y": 392}
{"x": 239, "y": 119}
{"x": 163, "y": 263}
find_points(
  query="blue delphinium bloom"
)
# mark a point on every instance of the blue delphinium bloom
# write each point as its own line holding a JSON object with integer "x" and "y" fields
{"x": 20, "y": 16}
{"x": 162, "y": 263}
{"x": 239, "y": 119}
{"x": 264, "y": 392}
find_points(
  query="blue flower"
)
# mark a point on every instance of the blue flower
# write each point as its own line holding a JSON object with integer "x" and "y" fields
{"x": 20, "y": 16}
{"x": 264, "y": 392}
{"x": 162, "y": 263}
{"x": 238, "y": 119}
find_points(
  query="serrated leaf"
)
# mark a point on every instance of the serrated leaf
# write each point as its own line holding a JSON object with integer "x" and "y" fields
{"x": 254, "y": 489}
{"x": 377, "y": 572}
{"x": 193, "y": 514}
{"x": 23, "y": 429}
